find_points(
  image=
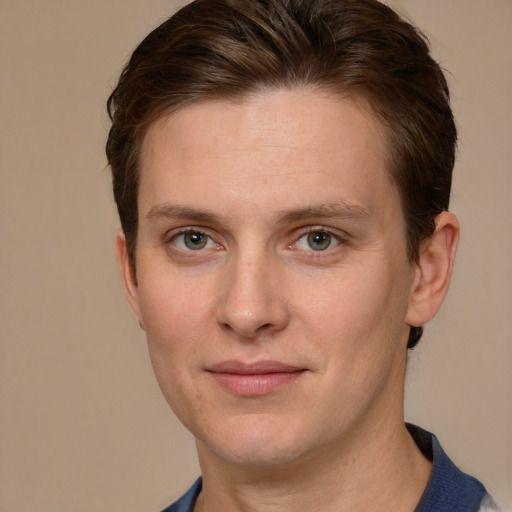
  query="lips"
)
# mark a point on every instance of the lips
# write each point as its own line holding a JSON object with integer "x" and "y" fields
{"x": 254, "y": 379}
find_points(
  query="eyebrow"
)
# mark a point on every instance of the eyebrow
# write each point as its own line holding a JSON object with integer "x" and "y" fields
{"x": 341, "y": 209}
{"x": 175, "y": 211}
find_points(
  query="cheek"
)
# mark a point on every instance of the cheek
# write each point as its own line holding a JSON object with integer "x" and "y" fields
{"x": 175, "y": 316}
{"x": 173, "y": 306}
{"x": 361, "y": 310}
{"x": 359, "y": 329}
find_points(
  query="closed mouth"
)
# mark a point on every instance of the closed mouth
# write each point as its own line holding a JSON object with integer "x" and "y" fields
{"x": 254, "y": 379}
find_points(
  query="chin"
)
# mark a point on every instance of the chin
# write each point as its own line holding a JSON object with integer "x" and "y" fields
{"x": 258, "y": 454}
{"x": 257, "y": 443}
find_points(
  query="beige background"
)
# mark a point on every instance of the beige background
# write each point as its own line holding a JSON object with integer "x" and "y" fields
{"x": 82, "y": 425}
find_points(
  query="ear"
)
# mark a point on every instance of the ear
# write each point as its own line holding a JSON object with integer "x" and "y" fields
{"x": 128, "y": 276}
{"x": 433, "y": 270}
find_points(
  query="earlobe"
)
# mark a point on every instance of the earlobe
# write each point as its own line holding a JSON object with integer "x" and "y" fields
{"x": 434, "y": 270}
{"x": 128, "y": 276}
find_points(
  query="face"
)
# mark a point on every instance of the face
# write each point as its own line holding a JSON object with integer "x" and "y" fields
{"x": 272, "y": 276}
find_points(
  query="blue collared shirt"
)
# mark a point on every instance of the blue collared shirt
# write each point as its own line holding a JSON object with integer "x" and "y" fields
{"x": 448, "y": 489}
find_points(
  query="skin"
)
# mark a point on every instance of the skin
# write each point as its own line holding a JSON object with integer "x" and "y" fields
{"x": 269, "y": 229}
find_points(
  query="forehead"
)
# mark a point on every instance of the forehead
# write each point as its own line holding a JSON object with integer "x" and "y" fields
{"x": 318, "y": 147}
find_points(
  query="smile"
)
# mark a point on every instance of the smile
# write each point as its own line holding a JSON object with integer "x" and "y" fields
{"x": 254, "y": 379}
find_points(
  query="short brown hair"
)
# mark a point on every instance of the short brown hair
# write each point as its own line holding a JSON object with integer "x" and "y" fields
{"x": 230, "y": 48}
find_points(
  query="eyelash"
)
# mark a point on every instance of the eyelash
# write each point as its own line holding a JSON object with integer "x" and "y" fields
{"x": 189, "y": 230}
{"x": 339, "y": 239}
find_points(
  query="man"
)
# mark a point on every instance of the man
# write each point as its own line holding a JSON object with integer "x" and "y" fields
{"x": 282, "y": 170}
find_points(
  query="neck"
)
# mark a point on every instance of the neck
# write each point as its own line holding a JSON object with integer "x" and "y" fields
{"x": 381, "y": 470}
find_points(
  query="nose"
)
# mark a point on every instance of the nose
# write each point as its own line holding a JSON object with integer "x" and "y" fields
{"x": 252, "y": 300}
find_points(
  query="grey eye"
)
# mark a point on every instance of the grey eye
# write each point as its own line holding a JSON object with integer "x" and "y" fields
{"x": 319, "y": 240}
{"x": 193, "y": 241}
